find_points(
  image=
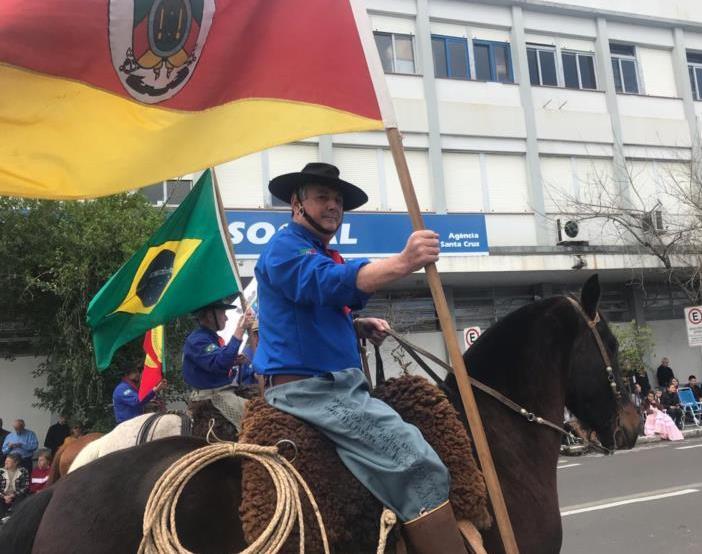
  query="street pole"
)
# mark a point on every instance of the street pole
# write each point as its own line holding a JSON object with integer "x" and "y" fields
{"x": 456, "y": 357}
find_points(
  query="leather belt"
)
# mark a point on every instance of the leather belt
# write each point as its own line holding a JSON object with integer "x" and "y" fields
{"x": 274, "y": 380}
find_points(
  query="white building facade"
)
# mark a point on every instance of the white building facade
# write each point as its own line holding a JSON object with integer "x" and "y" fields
{"x": 509, "y": 110}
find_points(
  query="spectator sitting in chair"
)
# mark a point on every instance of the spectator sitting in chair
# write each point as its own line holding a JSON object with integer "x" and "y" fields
{"x": 657, "y": 421}
{"x": 14, "y": 483}
{"x": 671, "y": 404}
{"x": 23, "y": 442}
{"x": 637, "y": 397}
{"x": 696, "y": 390}
{"x": 40, "y": 474}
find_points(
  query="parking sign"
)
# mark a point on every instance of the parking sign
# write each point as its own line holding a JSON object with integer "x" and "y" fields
{"x": 693, "y": 321}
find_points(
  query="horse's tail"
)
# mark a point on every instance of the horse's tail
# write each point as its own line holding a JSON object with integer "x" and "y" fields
{"x": 17, "y": 535}
{"x": 55, "y": 470}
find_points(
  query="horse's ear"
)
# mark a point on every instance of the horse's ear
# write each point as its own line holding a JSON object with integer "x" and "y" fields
{"x": 590, "y": 296}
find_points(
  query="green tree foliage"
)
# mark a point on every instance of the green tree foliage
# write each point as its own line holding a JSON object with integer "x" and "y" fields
{"x": 635, "y": 345}
{"x": 56, "y": 256}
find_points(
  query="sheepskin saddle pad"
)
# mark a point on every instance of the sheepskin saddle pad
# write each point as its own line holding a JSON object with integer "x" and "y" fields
{"x": 350, "y": 513}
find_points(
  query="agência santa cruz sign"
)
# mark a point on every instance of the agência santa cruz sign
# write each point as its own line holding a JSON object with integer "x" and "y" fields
{"x": 363, "y": 234}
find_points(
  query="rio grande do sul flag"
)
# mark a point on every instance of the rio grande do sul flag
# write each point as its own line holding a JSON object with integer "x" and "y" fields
{"x": 153, "y": 361}
{"x": 185, "y": 265}
{"x": 102, "y": 96}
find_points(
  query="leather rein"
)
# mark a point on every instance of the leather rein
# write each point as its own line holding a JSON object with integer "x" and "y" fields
{"x": 414, "y": 351}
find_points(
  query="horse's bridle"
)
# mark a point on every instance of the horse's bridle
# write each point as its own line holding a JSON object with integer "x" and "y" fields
{"x": 592, "y": 324}
{"x": 414, "y": 351}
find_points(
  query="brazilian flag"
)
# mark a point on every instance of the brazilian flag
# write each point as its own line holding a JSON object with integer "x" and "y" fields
{"x": 185, "y": 265}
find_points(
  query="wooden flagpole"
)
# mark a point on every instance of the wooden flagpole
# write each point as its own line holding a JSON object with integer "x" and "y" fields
{"x": 456, "y": 357}
{"x": 230, "y": 246}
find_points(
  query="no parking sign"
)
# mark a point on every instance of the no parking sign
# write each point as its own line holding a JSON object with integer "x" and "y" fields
{"x": 693, "y": 320}
{"x": 470, "y": 335}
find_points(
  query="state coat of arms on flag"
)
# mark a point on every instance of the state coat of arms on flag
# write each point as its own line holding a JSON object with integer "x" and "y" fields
{"x": 156, "y": 44}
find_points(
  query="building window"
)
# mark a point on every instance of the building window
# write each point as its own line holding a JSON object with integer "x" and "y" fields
{"x": 694, "y": 66}
{"x": 168, "y": 193}
{"x": 626, "y": 78}
{"x": 542, "y": 66}
{"x": 493, "y": 61}
{"x": 579, "y": 70}
{"x": 450, "y": 57}
{"x": 396, "y": 52}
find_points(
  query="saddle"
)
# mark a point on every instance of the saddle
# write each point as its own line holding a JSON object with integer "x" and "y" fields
{"x": 203, "y": 413}
{"x": 350, "y": 513}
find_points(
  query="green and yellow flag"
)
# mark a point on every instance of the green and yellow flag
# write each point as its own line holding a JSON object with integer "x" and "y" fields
{"x": 185, "y": 265}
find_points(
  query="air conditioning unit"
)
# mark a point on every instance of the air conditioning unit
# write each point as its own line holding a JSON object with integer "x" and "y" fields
{"x": 569, "y": 233}
{"x": 652, "y": 222}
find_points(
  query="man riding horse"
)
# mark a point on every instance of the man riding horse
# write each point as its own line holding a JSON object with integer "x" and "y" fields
{"x": 309, "y": 359}
{"x": 209, "y": 364}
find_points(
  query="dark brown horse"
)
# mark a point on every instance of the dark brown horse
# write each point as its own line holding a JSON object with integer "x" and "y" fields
{"x": 543, "y": 356}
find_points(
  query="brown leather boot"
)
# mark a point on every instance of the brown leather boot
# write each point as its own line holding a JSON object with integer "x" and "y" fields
{"x": 435, "y": 532}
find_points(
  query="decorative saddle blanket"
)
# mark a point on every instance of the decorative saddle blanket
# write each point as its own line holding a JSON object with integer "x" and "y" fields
{"x": 350, "y": 513}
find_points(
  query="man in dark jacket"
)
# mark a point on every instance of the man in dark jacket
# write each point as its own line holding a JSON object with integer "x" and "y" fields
{"x": 670, "y": 402}
{"x": 664, "y": 374}
{"x": 696, "y": 390}
{"x": 56, "y": 434}
{"x": 640, "y": 378}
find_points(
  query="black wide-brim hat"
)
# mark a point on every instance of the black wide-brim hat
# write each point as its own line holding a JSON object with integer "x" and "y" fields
{"x": 318, "y": 173}
{"x": 223, "y": 304}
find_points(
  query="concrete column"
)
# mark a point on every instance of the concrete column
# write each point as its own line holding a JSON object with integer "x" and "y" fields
{"x": 635, "y": 300}
{"x": 436, "y": 164}
{"x": 605, "y": 80}
{"x": 682, "y": 80}
{"x": 533, "y": 165}
{"x": 325, "y": 148}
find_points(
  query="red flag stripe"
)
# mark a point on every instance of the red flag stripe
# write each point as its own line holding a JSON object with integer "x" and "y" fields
{"x": 255, "y": 49}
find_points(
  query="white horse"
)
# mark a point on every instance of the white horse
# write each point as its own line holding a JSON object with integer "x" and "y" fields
{"x": 141, "y": 429}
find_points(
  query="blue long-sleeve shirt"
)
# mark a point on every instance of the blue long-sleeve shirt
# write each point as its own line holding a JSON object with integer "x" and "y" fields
{"x": 126, "y": 403}
{"x": 247, "y": 374}
{"x": 206, "y": 364}
{"x": 26, "y": 439}
{"x": 304, "y": 328}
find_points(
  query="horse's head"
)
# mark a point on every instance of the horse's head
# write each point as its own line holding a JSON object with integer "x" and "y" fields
{"x": 594, "y": 388}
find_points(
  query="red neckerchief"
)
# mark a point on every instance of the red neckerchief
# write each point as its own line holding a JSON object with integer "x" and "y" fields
{"x": 338, "y": 259}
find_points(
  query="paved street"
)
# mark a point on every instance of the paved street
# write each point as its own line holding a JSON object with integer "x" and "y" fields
{"x": 644, "y": 501}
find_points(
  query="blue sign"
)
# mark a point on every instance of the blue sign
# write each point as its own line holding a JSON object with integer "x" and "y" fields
{"x": 363, "y": 234}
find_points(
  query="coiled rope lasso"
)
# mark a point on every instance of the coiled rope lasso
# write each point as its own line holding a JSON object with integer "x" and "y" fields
{"x": 159, "y": 529}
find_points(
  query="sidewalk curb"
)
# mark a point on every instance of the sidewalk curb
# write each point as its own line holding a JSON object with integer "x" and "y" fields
{"x": 687, "y": 433}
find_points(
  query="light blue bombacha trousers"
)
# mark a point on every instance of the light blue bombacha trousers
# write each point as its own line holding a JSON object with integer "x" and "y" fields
{"x": 385, "y": 453}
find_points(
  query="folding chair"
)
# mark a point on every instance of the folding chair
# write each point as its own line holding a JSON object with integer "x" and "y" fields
{"x": 690, "y": 406}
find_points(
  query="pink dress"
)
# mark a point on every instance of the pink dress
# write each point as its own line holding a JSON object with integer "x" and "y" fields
{"x": 660, "y": 423}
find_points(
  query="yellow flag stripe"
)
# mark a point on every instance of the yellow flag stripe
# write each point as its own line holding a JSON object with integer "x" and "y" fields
{"x": 66, "y": 140}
